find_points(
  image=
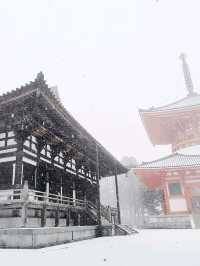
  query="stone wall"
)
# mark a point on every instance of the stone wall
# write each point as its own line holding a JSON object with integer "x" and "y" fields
{"x": 167, "y": 222}
{"x": 43, "y": 237}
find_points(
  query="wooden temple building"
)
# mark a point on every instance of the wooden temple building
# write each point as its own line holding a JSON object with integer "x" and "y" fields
{"x": 50, "y": 166}
{"x": 177, "y": 175}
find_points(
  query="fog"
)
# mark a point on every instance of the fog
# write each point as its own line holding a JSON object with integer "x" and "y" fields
{"x": 108, "y": 58}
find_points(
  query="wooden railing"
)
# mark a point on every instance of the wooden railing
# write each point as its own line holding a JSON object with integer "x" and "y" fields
{"x": 29, "y": 195}
{"x": 39, "y": 196}
{"x": 106, "y": 211}
{"x": 11, "y": 194}
{"x": 34, "y": 195}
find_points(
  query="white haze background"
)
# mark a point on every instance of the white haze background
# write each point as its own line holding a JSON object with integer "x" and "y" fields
{"x": 108, "y": 58}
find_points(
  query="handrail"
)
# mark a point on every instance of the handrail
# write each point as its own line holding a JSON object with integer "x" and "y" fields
{"x": 55, "y": 198}
{"x": 40, "y": 196}
{"x": 10, "y": 194}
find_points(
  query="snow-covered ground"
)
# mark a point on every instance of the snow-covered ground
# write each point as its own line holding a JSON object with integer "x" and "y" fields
{"x": 149, "y": 247}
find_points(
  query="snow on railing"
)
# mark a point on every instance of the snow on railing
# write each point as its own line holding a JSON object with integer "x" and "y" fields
{"x": 10, "y": 194}
{"x": 31, "y": 195}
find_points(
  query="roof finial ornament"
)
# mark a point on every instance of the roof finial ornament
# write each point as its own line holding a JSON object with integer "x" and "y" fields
{"x": 40, "y": 81}
{"x": 187, "y": 75}
{"x": 40, "y": 76}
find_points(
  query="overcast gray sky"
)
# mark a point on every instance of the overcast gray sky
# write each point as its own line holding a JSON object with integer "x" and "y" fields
{"x": 108, "y": 58}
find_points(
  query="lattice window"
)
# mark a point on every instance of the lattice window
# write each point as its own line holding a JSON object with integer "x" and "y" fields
{"x": 175, "y": 189}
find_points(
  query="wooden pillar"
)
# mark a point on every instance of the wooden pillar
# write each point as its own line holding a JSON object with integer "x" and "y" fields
{"x": 85, "y": 198}
{"x": 117, "y": 196}
{"x": 61, "y": 189}
{"x": 43, "y": 215}
{"x": 37, "y": 169}
{"x": 19, "y": 162}
{"x": 67, "y": 215}
{"x": 79, "y": 219}
{"x": 83, "y": 218}
{"x": 74, "y": 193}
{"x": 47, "y": 190}
{"x": 166, "y": 198}
{"x": 57, "y": 218}
{"x": 13, "y": 176}
{"x": 24, "y": 206}
{"x": 98, "y": 187}
{"x": 39, "y": 146}
{"x": 35, "y": 178}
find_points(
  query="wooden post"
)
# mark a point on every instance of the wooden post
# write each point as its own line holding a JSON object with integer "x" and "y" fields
{"x": 44, "y": 208}
{"x": 57, "y": 218}
{"x": 25, "y": 191}
{"x": 67, "y": 215}
{"x": 39, "y": 146}
{"x": 24, "y": 206}
{"x": 13, "y": 176}
{"x": 117, "y": 197}
{"x": 61, "y": 188}
{"x": 19, "y": 157}
{"x": 43, "y": 215}
{"x": 47, "y": 191}
{"x": 98, "y": 187}
{"x": 85, "y": 199}
{"x": 74, "y": 193}
{"x": 110, "y": 213}
{"x": 35, "y": 178}
{"x": 79, "y": 219}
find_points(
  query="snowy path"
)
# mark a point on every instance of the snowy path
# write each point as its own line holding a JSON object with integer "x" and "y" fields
{"x": 149, "y": 247}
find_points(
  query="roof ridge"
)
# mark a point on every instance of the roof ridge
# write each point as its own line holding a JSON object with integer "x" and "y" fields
{"x": 161, "y": 159}
{"x": 188, "y": 155}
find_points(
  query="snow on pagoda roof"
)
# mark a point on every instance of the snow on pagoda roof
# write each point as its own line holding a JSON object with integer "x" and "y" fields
{"x": 191, "y": 150}
{"x": 172, "y": 161}
{"x": 189, "y": 101}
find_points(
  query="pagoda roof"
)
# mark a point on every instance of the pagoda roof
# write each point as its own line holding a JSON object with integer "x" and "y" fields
{"x": 51, "y": 96}
{"x": 159, "y": 122}
{"x": 174, "y": 160}
{"x": 184, "y": 103}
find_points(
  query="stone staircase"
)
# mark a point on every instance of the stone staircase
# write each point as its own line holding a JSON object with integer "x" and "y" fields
{"x": 106, "y": 213}
{"x": 124, "y": 229}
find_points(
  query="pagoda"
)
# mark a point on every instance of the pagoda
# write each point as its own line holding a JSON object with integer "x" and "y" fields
{"x": 176, "y": 124}
{"x": 50, "y": 166}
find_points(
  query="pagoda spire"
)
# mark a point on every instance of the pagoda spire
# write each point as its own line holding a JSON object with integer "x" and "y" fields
{"x": 187, "y": 75}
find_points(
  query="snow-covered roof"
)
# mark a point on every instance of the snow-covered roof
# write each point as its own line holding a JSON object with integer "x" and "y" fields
{"x": 173, "y": 160}
{"x": 189, "y": 101}
{"x": 192, "y": 150}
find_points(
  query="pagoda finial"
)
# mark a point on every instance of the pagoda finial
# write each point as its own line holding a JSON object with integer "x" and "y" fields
{"x": 187, "y": 75}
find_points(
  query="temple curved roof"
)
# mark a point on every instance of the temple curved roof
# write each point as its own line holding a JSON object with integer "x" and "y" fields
{"x": 172, "y": 161}
{"x": 161, "y": 123}
{"x": 192, "y": 150}
{"x": 39, "y": 90}
{"x": 187, "y": 102}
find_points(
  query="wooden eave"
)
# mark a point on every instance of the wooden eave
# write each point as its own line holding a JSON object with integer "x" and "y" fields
{"x": 19, "y": 95}
{"x": 83, "y": 134}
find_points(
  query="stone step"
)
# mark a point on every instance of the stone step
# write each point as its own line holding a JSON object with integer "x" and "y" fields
{"x": 126, "y": 229}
